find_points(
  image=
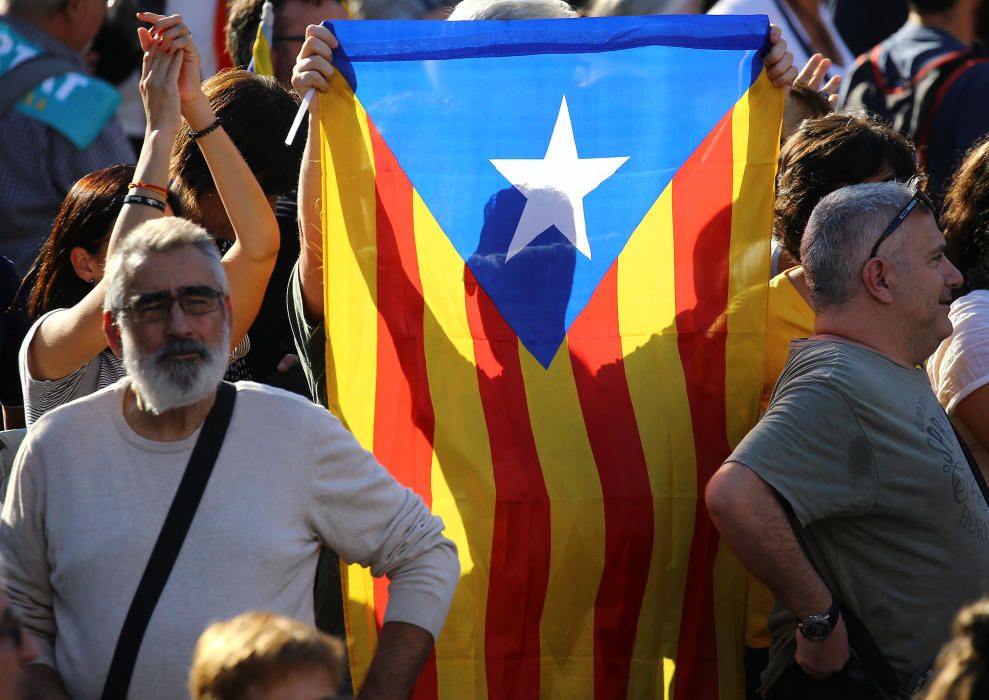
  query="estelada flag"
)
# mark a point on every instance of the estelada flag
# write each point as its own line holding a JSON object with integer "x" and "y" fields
{"x": 535, "y": 233}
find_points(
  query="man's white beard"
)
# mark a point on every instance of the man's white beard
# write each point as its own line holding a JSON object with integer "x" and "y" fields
{"x": 164, "y": 385}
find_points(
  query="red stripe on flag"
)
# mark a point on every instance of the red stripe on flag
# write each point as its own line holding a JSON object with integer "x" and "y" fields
{"x": 520, "y": 547}
{"x": 702, "y": 198}
{"x": 602, "y": 387}
{"x": 403, "y": 411}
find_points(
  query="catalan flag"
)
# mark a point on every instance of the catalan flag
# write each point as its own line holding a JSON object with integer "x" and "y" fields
{"x": 537, "y": 235}
{"x": 261, "y": 51}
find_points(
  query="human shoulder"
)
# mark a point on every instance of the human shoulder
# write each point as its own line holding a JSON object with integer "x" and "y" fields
{"x": 279, "y": 407}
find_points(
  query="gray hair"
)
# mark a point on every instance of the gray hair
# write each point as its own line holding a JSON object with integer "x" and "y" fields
{"x": 156, "y": 236}
{"x": 840, "y": 234}
{"x": 32, "y": 7}
{"x": 511, "y": 9}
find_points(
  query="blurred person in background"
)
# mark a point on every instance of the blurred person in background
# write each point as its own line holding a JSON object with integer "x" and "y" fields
{"x": 806, "y": 24}
{"x": 930, "y": 65}
{"x": 48, "y": 141}
{"x": 291, "y": 17}
{"x": 961, "y": 671}
{"x": 263, "y": 656}
{"x": 959, "y": 369}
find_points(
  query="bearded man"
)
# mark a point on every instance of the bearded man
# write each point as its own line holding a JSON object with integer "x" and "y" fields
{"x": 96, "y": 477}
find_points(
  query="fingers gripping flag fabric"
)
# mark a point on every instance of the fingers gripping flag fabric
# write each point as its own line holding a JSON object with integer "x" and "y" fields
{"x": 536, "y": 234}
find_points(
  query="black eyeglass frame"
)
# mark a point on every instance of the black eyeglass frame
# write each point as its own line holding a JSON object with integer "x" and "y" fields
{"x": 918, "y": 198}
{"x": 134, "y": 308}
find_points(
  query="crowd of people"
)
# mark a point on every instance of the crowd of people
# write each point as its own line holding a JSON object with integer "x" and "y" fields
{"x": 133, "y": 286}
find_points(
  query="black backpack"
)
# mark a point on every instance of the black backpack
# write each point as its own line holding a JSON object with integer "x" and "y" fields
{"x": 911, "y": 106}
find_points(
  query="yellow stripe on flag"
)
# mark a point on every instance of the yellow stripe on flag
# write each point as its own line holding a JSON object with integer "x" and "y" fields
{"x": 350, "y": 296}
{"x": 463, "y": 495}
{"x": 755, "y": 150}
{"x": 647, "y": 320}
{"x": 261, "y": 53}
{"x": 576, "y": 521}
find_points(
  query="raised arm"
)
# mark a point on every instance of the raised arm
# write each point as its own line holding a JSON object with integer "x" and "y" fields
{"x": 251, "y": 259}
{"x": 312, "y": 70}
{"x": 70, "y": 338}
{"x": 754, "y": 526}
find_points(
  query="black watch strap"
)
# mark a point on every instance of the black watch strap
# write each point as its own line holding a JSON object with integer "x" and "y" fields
{"x": 819, "y": 626}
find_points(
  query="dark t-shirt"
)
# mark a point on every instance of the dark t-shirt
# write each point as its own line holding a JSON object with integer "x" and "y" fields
{"x": 888, "y": 507}
{"x": 963, "y": 115}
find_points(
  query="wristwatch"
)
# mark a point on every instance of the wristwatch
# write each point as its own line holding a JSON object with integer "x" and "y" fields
{"x": 819, "y": 626}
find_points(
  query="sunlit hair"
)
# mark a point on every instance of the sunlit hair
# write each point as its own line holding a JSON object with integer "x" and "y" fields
{"x": 965, "y": 219}
{"x": 960, "y": 670}
{"x": 257, "y": 649}
{"x": 826, "y": 154}
{"x": 840, "y": 233}
{"x": 84, "y": 221}
{"x": 256, "y": 113}
{"x": 511, "y": 9}
{"x": 156, "y": 236}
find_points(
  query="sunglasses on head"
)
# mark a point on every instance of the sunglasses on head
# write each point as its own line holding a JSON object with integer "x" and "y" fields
{"x": 918, "y": 198}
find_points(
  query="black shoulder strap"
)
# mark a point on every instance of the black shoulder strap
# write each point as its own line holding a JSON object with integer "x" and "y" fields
{"x": 15, "y": 83}
{"x": 170, "y": 539}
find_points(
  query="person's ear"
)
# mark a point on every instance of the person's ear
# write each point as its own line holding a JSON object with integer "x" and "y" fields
{"x": 111, "y": 329}
{"x": 875, "y": 279}
{"x": 88, "y": 267}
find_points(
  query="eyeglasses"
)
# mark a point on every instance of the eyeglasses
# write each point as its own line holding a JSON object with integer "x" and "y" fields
{"x": 918, "y": 198}
{"x": 11, "y": 627}
{"x": 157, "y": 306}
{"x": 277, "y": 38}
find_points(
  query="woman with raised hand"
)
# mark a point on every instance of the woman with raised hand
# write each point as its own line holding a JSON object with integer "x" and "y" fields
{"x": 64, "y": 355}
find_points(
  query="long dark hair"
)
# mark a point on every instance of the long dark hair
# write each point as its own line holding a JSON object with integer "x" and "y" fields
{"x": 965, "y": 220}
{"x": 84, "y": 221}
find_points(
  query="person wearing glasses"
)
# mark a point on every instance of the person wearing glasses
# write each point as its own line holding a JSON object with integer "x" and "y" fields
{"x": 852, "y": 499}
{"x": 64, "y": 354}
{"x": 17, "y": 647}
{"x": 78, "y": 526}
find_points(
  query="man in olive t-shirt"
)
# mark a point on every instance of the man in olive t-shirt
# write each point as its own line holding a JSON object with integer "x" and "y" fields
{"x": 856, "y": 446}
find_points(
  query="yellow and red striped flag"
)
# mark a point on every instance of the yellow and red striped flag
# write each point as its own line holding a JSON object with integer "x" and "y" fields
{"x": 536, "y": 234}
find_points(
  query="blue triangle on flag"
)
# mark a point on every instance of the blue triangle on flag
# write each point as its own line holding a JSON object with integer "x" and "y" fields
{"x": 446, "y": 119}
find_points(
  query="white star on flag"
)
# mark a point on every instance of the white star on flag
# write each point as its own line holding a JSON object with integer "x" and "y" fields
{"x": 555, "y": 186}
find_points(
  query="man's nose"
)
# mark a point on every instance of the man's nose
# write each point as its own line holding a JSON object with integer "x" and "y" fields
{"x": 178, "y": 320}
{"x": 953, "y": 277}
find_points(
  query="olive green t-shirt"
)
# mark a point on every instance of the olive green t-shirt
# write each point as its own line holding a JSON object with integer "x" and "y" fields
{"x": 890, "y": 511}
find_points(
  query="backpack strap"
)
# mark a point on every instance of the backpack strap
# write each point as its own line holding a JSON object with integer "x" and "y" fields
{"x": 16, "y": 83}
{"x": 169, "y": 543}
{"x": 965, "y": 61}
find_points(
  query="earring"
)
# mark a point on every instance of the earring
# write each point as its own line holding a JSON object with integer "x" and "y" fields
{"x": 92, "y": 281}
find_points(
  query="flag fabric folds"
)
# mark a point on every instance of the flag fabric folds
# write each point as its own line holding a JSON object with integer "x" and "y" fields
{"x": 261, "y": 51}
{"x": 546, "y": 251}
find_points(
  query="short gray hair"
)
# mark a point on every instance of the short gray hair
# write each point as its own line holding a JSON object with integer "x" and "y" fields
{"x": 156, "y": 236}
{"x": 511, "y": 9}
{"x": 840, "y": 234}
{"x": 32, "y": 7}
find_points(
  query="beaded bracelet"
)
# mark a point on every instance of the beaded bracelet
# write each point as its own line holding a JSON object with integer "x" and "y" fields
{"x": 146, "y": 201}
{"x": 196, "y": 135}
{"x": 145, "y": 186}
